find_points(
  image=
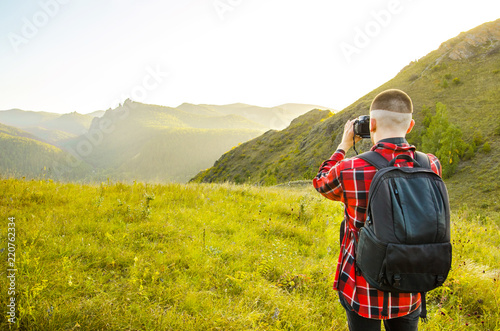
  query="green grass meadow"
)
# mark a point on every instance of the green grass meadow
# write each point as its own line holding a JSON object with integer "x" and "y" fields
{"x": 205, "y": 257}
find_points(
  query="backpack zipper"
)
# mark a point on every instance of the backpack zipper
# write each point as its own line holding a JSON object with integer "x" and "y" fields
{"x": 395, "y": 188}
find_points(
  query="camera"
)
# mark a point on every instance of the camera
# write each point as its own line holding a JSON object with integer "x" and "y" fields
{"x": 362, "y": 126}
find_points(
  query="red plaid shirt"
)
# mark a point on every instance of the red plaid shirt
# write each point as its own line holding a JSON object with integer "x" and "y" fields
{"x": 348, "y": 181}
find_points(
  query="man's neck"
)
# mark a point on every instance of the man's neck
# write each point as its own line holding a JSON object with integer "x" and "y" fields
{"x": 393, "y": 140}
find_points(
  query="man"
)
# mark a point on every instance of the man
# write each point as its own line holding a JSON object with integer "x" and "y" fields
{"x": 348, "y": 181}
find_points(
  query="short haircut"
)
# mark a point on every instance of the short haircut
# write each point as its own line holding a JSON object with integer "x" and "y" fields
{"x": 393, "y": 100}
{"x": 391, "y": 120}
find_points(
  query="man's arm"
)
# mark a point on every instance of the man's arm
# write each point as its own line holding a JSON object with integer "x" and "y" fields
{"x": 327, "y": 181}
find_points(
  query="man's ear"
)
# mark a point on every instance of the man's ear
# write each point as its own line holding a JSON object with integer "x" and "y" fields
{"x": 412, "y": 123}
{"x": 373, "y": 124}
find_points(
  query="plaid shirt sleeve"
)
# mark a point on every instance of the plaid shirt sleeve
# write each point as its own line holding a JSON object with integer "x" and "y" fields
{"x": 327, "y": 182}
{"x": 435, "y": 165}
{"x": 348, "y": 181}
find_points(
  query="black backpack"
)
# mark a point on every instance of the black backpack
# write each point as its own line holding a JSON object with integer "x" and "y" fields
{"x": 404, "y": 245}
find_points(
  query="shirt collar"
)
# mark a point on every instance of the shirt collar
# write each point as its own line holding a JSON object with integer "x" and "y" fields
{"x": 393, "y": 144}
{"x": 395, "y": 141}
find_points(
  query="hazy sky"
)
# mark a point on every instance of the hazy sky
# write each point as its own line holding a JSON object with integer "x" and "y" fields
{"x": 87, "y": 55}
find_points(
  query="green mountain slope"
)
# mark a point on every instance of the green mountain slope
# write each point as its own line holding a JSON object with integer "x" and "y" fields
{"x": 463, "y": 74}
{"x": 53, "y": 137}
{"x": 163, "y": 117}
{"x": 49, "y": 127}
{"x": 156, "y": 143}
{"x": 176, "y": 155}
{"x": 21, "y": 118}
{"x": 268, "y": 159}
{"x": 15, "y": 132}
{"x": 73, "y": 123}
{"x": 23, "y": 155}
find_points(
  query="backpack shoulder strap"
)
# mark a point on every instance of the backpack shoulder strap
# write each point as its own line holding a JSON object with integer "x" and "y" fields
{"x": 375, "y": 159}
{"x": 379, "y": 162}
{"x": 423, "y": 160}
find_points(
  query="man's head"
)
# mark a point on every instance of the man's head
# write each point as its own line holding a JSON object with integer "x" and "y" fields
{"x": 390, "y": 115}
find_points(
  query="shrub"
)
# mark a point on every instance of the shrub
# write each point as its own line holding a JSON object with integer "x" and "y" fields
{"x": 486, "y": 148}
{"x": 270, "y": 180}
{"x": 444, "y": 140}
{"x": 413, "y": 77}
{"x": 477, "y": 138}
{"x": 469, "y": 153}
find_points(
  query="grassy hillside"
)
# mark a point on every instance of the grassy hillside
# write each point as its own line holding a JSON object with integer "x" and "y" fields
{"x": 260, "y": 160}
{"x": 463, "y": 74}
{"x": 205, "y": 257}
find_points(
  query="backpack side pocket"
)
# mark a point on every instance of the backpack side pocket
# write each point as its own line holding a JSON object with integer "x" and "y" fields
{"x": 417, "y": 268}
{"x": 370, "y": 257}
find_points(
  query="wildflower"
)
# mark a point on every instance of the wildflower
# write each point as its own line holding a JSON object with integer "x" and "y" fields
{"x": 276, "y": 314}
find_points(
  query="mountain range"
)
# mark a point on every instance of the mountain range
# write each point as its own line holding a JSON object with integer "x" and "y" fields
{"x": 455, "y": 89}
{"x": 134, "y": 141}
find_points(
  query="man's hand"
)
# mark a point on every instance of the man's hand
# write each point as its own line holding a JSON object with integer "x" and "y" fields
{"x": 347, "y": 142}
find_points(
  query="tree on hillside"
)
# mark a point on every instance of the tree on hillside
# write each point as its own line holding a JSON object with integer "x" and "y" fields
{"x": 443, "y": 139}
